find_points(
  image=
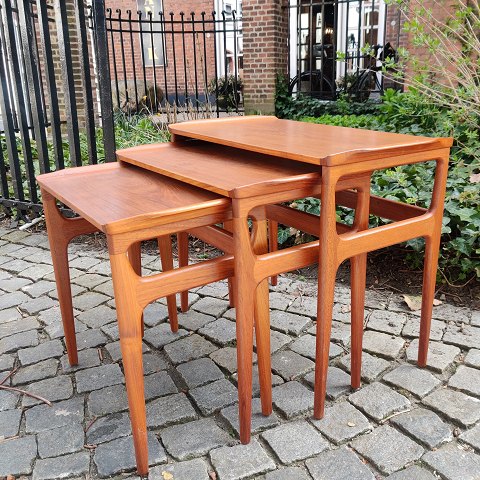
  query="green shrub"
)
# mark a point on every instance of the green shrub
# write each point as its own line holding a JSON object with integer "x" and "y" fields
{"x": 408, "y": 113}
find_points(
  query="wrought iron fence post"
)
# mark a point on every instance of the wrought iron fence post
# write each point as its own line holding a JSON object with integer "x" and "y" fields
{"x": 104, "y": 82}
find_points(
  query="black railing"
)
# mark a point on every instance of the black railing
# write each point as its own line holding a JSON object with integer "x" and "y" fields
{"x": 159, "y": 61}
{"x": 342, "y": 47}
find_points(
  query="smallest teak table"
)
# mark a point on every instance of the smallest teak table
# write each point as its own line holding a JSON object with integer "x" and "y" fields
{"x": 339, "y": 153}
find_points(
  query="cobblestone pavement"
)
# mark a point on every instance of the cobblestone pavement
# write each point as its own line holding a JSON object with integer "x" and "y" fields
{"x": 404, "y": 423}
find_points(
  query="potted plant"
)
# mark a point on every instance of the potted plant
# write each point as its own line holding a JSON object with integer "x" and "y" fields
{"x": 228, "y": 91}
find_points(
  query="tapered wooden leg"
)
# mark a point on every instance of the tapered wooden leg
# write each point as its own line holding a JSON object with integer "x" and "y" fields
{"x": 182, "y": 245}
{"x": 245, "y": 287}
{"x": 262, "y": 323}
{"x": 166, "y": 257}
{"x": 228, "y": 225}
{"x": 327, "y": 269}
{"x": 432, "y": 249}
{"x": 129, "y": 325}
{"x": 273, "y": 244}
{"x": 358, "y": 277}
{"x": 59, "y": 251}
{"x": 358, "y": 270}
{"x": 135, "y": 258}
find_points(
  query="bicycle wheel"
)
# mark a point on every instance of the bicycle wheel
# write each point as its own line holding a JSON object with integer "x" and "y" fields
{"x": 314, "y": 84}
{"x": 360, "y": 89}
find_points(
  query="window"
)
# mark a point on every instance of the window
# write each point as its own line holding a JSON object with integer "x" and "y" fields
{"x": 153, "y": 38}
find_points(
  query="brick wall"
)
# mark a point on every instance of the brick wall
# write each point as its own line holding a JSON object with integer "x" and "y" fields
{"x": 265, "y": 33}
{"x": 182, "y": 53}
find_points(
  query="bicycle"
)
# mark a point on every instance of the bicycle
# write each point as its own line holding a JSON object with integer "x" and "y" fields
{"x": 356, "y": 86}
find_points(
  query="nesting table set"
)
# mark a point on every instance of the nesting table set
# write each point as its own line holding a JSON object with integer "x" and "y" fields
{"x": 231, "y": 172}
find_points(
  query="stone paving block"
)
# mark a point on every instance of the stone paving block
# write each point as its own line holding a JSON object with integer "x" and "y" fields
{"x": 90, "y": 339}
{"x": 115, "y": 352}
{"x": 473, "y": 358}
{"x": 454, "y": 463}
{"x": 472, "y": 437}
{"x": 288, "y": 322}
{"x": 194, "y": 439}
{"x": 39, "y": 257}
{"x": 342, "y": 422}
{"x": 6, "y": 361}
{"x": 465, "y": 336}
{"x": 196, "y": 469}
{"x": 53, "y": 389}
{"x": 199, "y": 372}
{"x": 118, "y": 455}
{"x": 457, "y": 406}
{"x": 217, "y": 289}
{"x": 13, "y": 299}
{"x": 76, "y": 290}
{"x": 53, "y": 315}
{"x": 111, "y": 331}
{"x": 387, "y": 449}
{"x": 36, "y": 305}
{"x": 59, "y": 441}
{"x": 98, "y": 316}
{"x": 18, "y": 341}
{"x": 339, "y": 464}
{"x": 341, "y": 333}
{"x": 74, "y": 273}
{"x": 449, "y": 312}
{"x": 14, "y": 464}
{"x": 158, "y": 385}
{"x": 13, "y": 284}
{"x": 338, "y": 382}
{"x": 9, "y": 247}
{"x": 214, "y": 396}
{"x": 439, "y": 357}
{"x": 18, "y": 326}
{"x": 241, "y": 461}
{"x": 413, "y": 379}
{"x": 55, "y": 329}
{"x": 65, "y": 466}
{"x": 107, "y": 400}
{"x": 221, "y": 331}
{"x": 226, "y": 358}
{"x": 15, "y": 266}
{"x": 288, "y": 473}
{"x": 425, "y": 426}
{"x": 168, "y": 410}
{"x": 475, "y": 318}
{"x": 38, "y": 288}
{"x": 211, "y": 306}
{"x": 379, "y": 401}
{"x": 90, "y": 280}
{"x": 381, "y": 344}
{"x": 276, "y": 380}
{"x": 292, "y": 399}
{"x": 466, "y": 380}
{"x": 102, "y": 268}
{"x": 9, "y": 314}
{"x": 280, "y": 301}
{"x": 44, "y": 417}
{"x": 295, "y": 441}
{"x": 342, "y": 313}
{"x": 412, "y": 329}
{"x": 188, "y": 348}
{"x": 8, "y": 400}
{"x": 277, "y": 341}
{"x": 89, "y": 300}
{"x": 155, "y": 313}
{"x": 290, "y": 365}
{"x": 260, "y": 422}
{"x": 50, "y": 349}
{"x": 193, "y": 320}
{"x": 304, "y": 306}
{"x": 412, "y": 473}
{"x": 84, "y": 263}
{"x": 86, "y": 359}
{"x": 153, "y": 363}
{"x": 9, "y": 423}
{"x": 25, "y": 251}
{"x": 161, "y": 335}
{"x": 36, "y": 271}
{"x": 386, "y": 322}
{"x": 108, "y": 428}
{"x": 98, "y": 377}
{"x": 305, "y": 345}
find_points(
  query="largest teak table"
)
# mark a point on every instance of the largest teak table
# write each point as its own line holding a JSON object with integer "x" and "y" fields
{"x": 343, "y": 159}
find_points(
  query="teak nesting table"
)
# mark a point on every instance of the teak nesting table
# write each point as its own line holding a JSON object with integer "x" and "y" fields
{"x": 255, "y": 164}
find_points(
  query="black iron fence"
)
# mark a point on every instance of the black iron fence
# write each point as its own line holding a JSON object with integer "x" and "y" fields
{"x": 159, "y": 61}
{"x": 342, "y": 47}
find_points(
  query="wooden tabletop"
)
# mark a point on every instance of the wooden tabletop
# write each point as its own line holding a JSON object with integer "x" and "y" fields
{"x": 227, "y": 171}
{"x": 306, "y": 142}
